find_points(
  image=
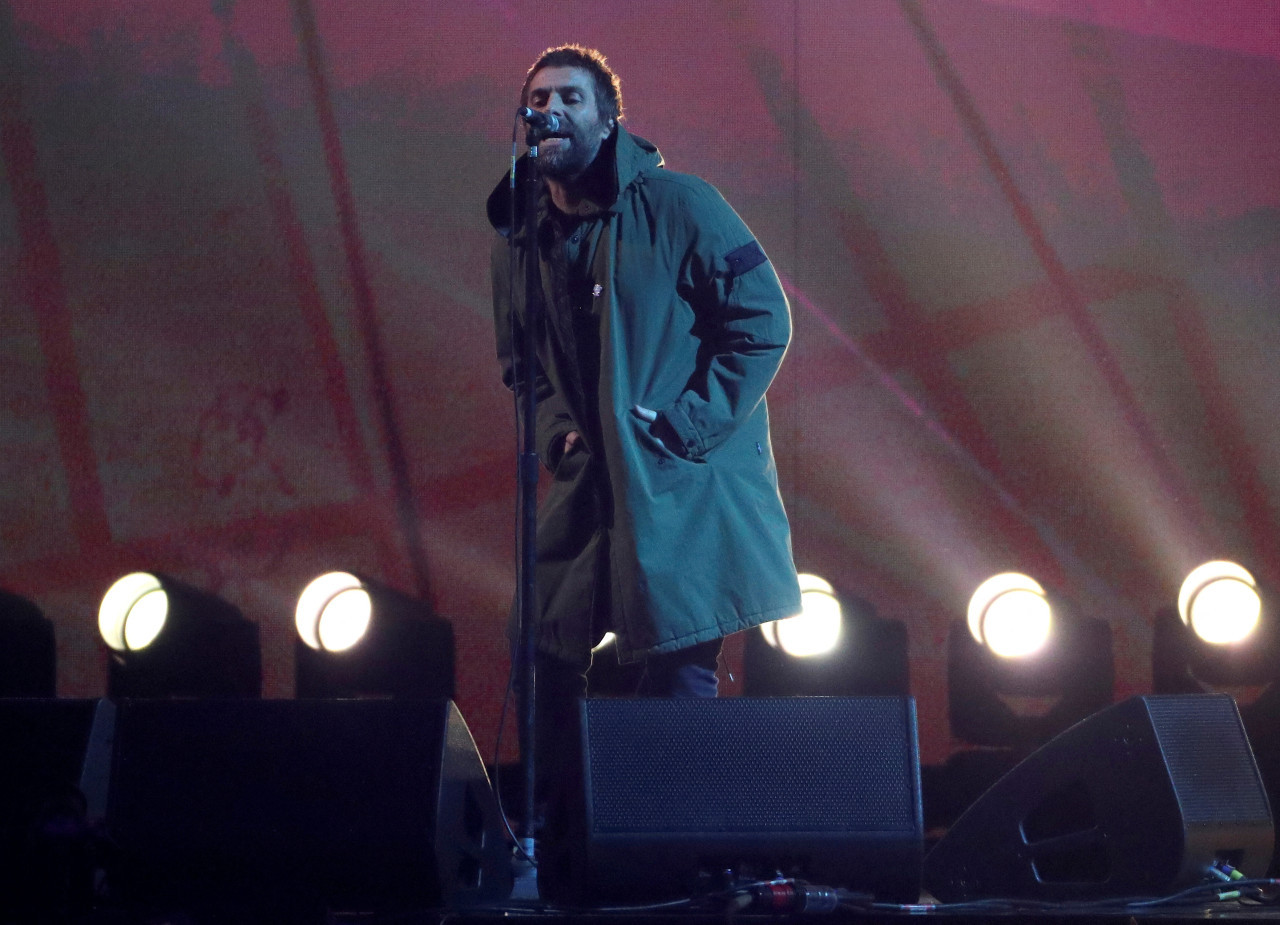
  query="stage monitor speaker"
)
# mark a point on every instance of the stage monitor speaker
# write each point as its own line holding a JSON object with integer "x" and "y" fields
{"x": 678, "y": 791}
{"x": 1137, "y": 800}
{"x": 53, "y": 787}
{"x": 302, "y": 806}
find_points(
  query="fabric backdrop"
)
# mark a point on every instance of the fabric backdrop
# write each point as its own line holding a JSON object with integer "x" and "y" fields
{"x": 245, "y": 334}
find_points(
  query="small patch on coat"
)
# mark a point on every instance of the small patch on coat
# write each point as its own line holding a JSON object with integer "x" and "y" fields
{"x": 747, "y": 257}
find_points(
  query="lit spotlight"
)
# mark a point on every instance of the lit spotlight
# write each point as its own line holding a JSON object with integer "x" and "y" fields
{"x": 1008, "y": 695}
{"x": 133, "y": 612}
{"x": 1016, "y": 650}
{"x": 168, "y": 639}
{"x": 28, "y": 661}
{"x": 815, "y": 630}
{"x": 1221, "y": 635}
{"x": 1010, "y": 614}
{"x": 333, "y": 612}
{"x": 359, "y": 638}
{"x": 1220, "y": 602}
{"x": 836, "y": 646}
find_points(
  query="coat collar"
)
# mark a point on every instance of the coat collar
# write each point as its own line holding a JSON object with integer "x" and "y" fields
{"x": 631, "y": 154}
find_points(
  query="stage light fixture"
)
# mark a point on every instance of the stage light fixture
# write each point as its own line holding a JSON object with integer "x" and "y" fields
{"x": 333, "y": 612}
{"x": 1004, "y": 705}
{"x": 836, "y": 646}
{"x": 169, "y": 639}
{"x": 815, "y": 630}
{"x": 28, "y": 659}
{"x": 1220, "y": 602}
{"x": 1222, "y": 634}
{"x": 1010, "y": 615}
{"x": 133, "y": 612}
{"x": 1021, "y": 669}
{"x": 360, "y": 638}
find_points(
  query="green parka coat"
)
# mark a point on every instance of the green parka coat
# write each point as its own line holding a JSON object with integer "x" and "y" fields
{"x": 693, "y": 540}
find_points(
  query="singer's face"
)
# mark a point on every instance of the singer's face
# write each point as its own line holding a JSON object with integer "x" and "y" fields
{"x": 568, "y": 93}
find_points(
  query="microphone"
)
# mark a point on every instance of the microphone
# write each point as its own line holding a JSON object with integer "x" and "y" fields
{"x": 541, "y": 124}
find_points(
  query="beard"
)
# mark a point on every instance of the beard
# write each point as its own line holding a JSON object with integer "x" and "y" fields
{"x": 568, "y": 157}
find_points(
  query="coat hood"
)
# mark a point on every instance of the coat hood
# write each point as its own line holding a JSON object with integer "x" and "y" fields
{"x": 631, "y": 155}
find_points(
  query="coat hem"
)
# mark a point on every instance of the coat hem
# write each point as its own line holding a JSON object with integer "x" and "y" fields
{"x": 718, "y": 631}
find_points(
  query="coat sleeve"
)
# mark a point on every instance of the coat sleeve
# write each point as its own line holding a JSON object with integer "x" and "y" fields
{"x": 743, "y": 322}
{"x": 554, "y": 420}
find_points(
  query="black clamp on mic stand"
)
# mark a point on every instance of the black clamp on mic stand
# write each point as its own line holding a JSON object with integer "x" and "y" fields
{"x": 539, "y": 126}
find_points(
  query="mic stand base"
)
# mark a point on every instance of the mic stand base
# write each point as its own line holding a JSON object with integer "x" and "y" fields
{"x": 524, "y": 886}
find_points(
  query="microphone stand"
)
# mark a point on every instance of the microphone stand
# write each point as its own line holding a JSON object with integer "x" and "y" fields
{"x": 528, "y": 488}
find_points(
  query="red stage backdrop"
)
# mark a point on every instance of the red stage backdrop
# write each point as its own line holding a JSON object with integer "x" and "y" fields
{"x": 245, "y": 333}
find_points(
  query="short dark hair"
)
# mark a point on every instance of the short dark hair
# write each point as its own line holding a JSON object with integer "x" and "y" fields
{"x": 607, "y": 85}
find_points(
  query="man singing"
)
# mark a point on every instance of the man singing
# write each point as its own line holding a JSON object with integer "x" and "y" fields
{"x": 664, "y": 325}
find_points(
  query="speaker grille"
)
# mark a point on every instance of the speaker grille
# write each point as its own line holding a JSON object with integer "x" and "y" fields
{"x": 1209, "y": 759}
{"x": 752, "y": 765}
